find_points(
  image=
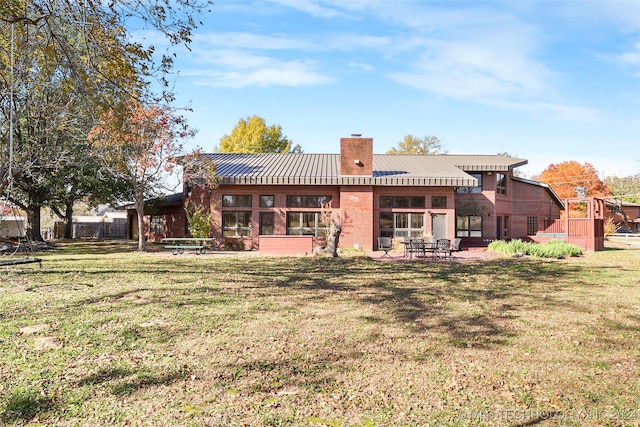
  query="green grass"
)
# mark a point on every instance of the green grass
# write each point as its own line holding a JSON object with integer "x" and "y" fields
{"x": 102, "y": 335}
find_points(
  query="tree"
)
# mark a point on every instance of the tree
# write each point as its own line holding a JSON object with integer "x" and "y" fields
{"x": 140, "y": 147}
{"x": 251, "y": 135}
{"x": 429, "y": 146}
{"x": 625, "y": 189}
{"x": 61, "y": 60}
{"x": 571, "y": 179}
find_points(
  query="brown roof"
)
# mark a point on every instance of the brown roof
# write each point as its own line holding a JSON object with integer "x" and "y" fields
{"x": 324, "y": 169}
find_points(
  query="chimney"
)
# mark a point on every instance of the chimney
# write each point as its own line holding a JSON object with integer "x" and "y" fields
{"x": 356, "y": 156}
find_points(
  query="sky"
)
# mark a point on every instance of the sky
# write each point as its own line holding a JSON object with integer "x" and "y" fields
{"x": 548, "y": 81}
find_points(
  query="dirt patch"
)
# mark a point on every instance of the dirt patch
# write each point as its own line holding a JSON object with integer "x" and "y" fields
{"x": 155, "y": 323}
{"x": 47, "y": 343}
{"x": 34, "y": 329}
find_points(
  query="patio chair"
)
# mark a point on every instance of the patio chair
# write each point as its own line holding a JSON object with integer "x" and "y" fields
{"x": 455, "y": 245}
{"x": 443, "y": 248}
{"x": 417, "y": 247}
{"x": 385, "y": 244}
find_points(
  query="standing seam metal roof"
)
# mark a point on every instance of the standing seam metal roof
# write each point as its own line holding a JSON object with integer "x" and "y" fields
{"x": 323, "y": 169}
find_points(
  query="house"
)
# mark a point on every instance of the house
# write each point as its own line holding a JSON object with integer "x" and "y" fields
{"x": 12, "y": 226}
{"x": 264, "y": 196}
{"x": 108, "y": 225}
{"x": 624, "y": 214}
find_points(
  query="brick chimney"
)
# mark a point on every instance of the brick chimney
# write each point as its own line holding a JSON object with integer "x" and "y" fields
{"x": 356, "y": 156}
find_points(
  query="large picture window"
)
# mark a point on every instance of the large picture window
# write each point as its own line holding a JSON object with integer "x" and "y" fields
{"x": 472, "y": 190}
{"x": 401, "y": 202}
{"x": 236, "y": 201}
{"x": 236, "y": 223}
{"x": 306, "y": 224}
{"x": 307, "y": 201}
{"x": 468, "y": 226}
{"x": 401, "y": 224}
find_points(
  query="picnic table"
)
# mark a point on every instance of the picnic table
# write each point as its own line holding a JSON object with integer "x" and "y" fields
{"x": 179, "y": 244}
{"x": 440, "y": 248}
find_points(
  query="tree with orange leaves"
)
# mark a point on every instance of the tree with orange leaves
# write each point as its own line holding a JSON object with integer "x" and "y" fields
{"x": 571, "y": 179}
{"x": 140, "y": 144}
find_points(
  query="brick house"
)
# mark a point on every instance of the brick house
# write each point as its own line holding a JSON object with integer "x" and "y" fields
{"x": 265, "y": 196}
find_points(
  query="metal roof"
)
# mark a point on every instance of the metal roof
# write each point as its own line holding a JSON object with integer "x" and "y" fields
{"x": 324, "y": 169}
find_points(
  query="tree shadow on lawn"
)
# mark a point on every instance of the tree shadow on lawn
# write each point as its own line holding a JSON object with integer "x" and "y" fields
{"x": 473, "y": 303}
{"x": 123, "y": 381}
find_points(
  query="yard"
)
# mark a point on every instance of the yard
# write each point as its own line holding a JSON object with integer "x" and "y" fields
{"x": 102, "y": 335}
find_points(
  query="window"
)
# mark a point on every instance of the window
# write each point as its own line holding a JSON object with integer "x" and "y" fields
{"x": 501, "y": 183}
{"x": 266, "y": 223}
{"x": 307, "y": 201}
{"x": 468, "y": 226}
{"x": 236, "y": 224}
{"x": 401, "y": 202}
{"x": 532, "y": 225}
{"x": 401, "y": 224}
{"x": 229, "y": 201}
{"x": 157, "y": 224}
{"x": 473, "y": 190}
{"x": 439, "y": 202}
{"x": 306, "y": 224}
{"x": 267, "y": 201}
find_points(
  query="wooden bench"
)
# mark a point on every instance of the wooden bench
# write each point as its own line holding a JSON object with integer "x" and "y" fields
{"x": 179, "y": 244}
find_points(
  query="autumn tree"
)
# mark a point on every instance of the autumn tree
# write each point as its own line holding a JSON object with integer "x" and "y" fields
{"x": 140, "y": 146}
{"x": 429, "y": 145}
{"x": 252, "y": 135}
{"x": 64, "y": 60}
{"x": 571, "y": 179}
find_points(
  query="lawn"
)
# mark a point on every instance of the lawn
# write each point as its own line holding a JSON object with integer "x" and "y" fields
{"x": 102, "y": 335}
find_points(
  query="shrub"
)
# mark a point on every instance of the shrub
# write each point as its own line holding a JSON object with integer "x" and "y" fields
{"x": 553, "y": 249}
{"x": 200, "y": 222}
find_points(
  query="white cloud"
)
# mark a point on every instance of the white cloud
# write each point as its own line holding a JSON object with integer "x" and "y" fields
{"x": 360, "y": 66}
{"x": 311, "y": 7}
{"x": 241, "y": 70}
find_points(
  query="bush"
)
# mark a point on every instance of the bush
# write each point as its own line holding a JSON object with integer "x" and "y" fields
{"x": 200, "y": 222}
{"x": 553, "y": 249}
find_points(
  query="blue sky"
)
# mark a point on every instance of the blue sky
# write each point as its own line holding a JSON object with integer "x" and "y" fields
{"x": 545, "y": 80}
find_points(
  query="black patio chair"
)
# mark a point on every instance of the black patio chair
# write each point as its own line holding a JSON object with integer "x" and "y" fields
{"x": 385, "y": 244}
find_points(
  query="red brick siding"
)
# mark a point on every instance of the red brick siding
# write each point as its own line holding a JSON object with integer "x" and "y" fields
{"x": 356, "y": 217}
{"x": 352, "y": 149}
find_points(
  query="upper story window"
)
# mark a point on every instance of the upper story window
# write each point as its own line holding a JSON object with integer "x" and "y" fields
{"x": 439, "y": 202}
{"x": 501, "y": 183}
{"x": 472, "y": 190}
{"x": 236, "y": 201}
{"x": 401, "y": 202}
{"x": 307, "y": 201}
{"x": 267, "y": 201}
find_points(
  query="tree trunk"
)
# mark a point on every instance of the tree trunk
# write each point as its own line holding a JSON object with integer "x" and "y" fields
{"x": 35, "y": 234}
{"x": 331, "y": 248}
{"x": 68, "y": 218}
{"x": 142, "y": 238}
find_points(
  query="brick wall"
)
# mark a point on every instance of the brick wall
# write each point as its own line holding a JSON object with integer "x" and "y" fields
{"x": 356, "y": 156}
